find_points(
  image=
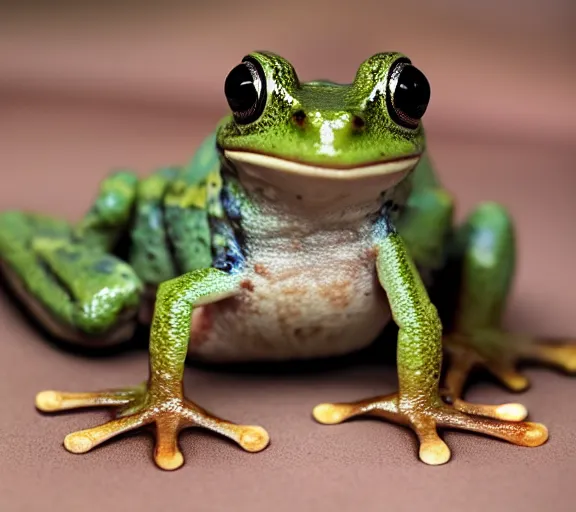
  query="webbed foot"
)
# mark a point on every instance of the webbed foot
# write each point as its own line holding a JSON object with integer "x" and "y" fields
{"x": 140, "y": 406}
{"x": 500, "y": 354}
{"x": 426, "y": 420}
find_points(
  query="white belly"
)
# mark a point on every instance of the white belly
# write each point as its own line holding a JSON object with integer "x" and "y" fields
{"x": 296, "y": 306}
{"x": 310, "y": 287}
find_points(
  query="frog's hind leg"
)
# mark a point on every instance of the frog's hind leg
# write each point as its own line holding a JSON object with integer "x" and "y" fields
{"x": 482, "y": 262}
{"x": 65, "y": 275}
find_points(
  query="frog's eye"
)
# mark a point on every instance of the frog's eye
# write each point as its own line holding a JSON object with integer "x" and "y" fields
{"x": 245, "y": 90}
{"x": 408, "y": 94}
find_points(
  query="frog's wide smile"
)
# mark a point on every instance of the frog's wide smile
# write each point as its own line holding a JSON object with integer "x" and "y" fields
{"x": 330, "y": 171}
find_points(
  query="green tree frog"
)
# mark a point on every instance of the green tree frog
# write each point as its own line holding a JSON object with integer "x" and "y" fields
{"x": 306, "y": 222}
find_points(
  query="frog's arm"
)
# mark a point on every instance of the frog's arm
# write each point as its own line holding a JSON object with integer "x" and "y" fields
{"x": 419, "y": 358}
{"x": 420, "y": 331}
{"x": 161, "y": 401}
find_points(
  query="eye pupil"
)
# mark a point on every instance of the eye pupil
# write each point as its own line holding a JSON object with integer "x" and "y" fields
{"x": 410, "y": 96}
{"x": 244, "y": 90}
{"x": 240, "y": 89}
{"x": 413, "y": 93}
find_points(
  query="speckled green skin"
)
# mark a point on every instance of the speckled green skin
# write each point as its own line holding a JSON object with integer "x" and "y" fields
{"x": 73, "y": 276}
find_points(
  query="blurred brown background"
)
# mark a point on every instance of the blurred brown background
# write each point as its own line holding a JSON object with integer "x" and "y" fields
{"x": 88, "y": 86}
{"x": 498, "y": 69}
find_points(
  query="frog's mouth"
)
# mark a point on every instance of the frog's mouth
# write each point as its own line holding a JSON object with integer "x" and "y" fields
{"x": 396, "y": 166}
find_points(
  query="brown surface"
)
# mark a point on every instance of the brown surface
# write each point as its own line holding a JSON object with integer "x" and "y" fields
{"x": 52, "y": 158}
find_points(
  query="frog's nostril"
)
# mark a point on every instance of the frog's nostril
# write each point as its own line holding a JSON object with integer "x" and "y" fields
{"x": 299, "y": 117}
{"x": 358, "y": 123}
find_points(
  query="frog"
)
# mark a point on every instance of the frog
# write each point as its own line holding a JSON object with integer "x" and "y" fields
{"x": 306, "y": 223}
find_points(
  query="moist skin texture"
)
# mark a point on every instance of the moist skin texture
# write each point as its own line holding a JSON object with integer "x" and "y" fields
{"x": 309, "y": 219}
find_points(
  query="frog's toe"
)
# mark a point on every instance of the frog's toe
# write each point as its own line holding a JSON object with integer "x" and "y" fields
{"x": 521, "y": 433}
{"x": 334, "y": 413}
{"x": 251, "y": 438}
{"x": 167, "y": 454}
{"x": 433, "y": 450}
{"x": 561, "y": 354}
{"x": 507, "y": 412}
{"x": 508, "y": 375}
{"x": 85, "y": 440}
{"x": 461, "y": 364}
{"x": 54, "y": 401}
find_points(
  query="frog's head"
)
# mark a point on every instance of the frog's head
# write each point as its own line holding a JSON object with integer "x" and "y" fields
{"x": 371, "y": 127}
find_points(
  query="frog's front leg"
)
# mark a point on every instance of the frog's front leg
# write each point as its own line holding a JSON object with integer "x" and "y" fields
{"x": 483, "y": 260}
{"x": 161, "y": 400}
{"x": 418, "y": 402}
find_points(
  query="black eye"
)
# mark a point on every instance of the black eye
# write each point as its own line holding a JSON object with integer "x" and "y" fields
{"x": 408, "y": 94}
{"x": 245, "y": 90}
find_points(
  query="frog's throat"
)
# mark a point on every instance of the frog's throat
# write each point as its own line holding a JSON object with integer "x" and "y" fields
{"x": 390, "y": 167}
